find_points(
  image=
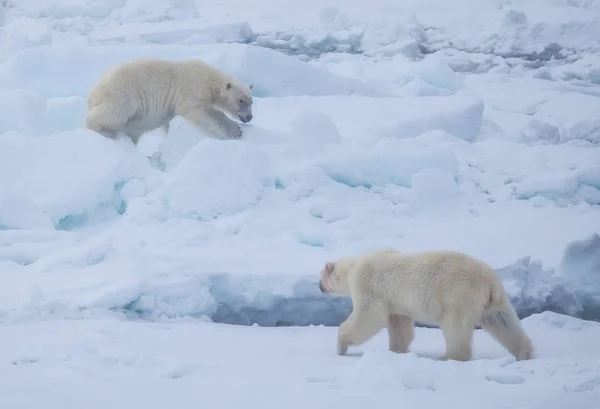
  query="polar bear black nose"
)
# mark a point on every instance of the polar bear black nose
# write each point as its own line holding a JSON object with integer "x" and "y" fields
{"x": 246, "y": 118}
{"x": 321, "y": 287}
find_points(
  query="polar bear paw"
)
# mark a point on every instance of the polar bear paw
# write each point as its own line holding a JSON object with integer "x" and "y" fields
{"x": 342, "y": 345}
{"x": 235, "y": 131}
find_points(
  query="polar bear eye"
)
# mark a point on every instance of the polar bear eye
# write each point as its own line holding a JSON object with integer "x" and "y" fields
{"x": 241, "y": 101}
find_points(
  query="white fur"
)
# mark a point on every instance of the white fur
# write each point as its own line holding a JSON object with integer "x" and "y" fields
{"x": 450, "y": 289}
{"x": 145, "y": 94}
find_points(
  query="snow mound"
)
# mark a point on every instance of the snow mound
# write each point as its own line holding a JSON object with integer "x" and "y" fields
{"x": 584, "y": 69}
{"x": 582, "y": 124}
{"x": 541, "y": 173}
{"x": 23, "y": 32}
{"x": 581, "y": 184}
{"x": 367, "y": 120}
{"x": 580, "y": 268}
{"x": 18, "y": 212}
{"x": 66, "y": 113}
{"x": 386, "y": 163}
{"x": 233, "y": 184}
{"x": 431, "y": 75}
{"x": 539, "y": 111}
{"x": 23, "y": 111}
{"x": 68, "y": 177}
{"x": 74, "y": 69}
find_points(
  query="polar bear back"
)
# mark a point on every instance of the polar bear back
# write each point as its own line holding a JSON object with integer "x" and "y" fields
{"x": 426, "y": 283}
{"x": 164, "y": 82}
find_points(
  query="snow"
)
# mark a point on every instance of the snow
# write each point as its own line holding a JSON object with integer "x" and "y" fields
{"x": 468, "y": 125}
{"x": 100, "y": 362}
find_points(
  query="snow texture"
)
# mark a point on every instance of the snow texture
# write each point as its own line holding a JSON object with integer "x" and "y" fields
{"x": 111, "y": 363}
{"x": 467, "y": 125}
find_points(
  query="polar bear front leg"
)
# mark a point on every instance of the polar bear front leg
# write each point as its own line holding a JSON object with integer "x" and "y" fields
{"x": 213, "y": 122}
{"x": 363, "y": 322}
{"x": 401, "y": 332}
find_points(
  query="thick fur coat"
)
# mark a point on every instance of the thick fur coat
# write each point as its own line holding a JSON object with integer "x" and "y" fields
{"x": 450, "y": 289}
{"x": 145, "y": 94}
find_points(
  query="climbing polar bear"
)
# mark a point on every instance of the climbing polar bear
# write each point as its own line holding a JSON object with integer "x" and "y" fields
{"x": 145, "y": 94}
{"x": 450, "y": 289}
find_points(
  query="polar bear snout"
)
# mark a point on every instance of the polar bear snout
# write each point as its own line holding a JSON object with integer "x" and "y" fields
{"x": 245, "y": 118}
{"x": 323, "y": 290}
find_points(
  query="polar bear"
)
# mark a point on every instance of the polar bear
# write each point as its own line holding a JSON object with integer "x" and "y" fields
{"x": 147, "y": 93}
{"x": 450, "y": 289}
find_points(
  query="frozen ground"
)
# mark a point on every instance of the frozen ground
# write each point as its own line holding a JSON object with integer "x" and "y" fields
{"x": 105, "y": 363}
{"x": 469, "y": 125}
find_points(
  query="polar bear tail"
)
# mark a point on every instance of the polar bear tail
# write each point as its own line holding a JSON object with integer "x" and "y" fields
{"x": 497, "y": 295}
{"x": 502, "y": 322}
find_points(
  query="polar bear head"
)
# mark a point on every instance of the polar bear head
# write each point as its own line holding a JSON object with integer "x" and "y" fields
{"x": 334, "y": 276}
{"x": 236, "y": 99}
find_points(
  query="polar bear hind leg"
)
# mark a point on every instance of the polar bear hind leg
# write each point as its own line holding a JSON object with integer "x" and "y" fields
{"x": 364, "y": 321}
{"x": 107, "y": 120}
{"x": 401, "y": 332}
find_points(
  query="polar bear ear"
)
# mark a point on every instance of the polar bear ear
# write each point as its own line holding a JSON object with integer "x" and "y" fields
{"x": 329, "y": 267}
{"x": 251, "y": 86}
{"x": 228, "y": 86}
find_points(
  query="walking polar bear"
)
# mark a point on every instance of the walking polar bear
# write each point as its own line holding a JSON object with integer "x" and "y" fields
{"x": 147, "y": 93}
{"x": 450, "y": 289}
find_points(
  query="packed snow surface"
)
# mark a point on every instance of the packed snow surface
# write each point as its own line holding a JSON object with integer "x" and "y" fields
{"x": 105, "y": 363}
{"x": 467, "y": 125}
